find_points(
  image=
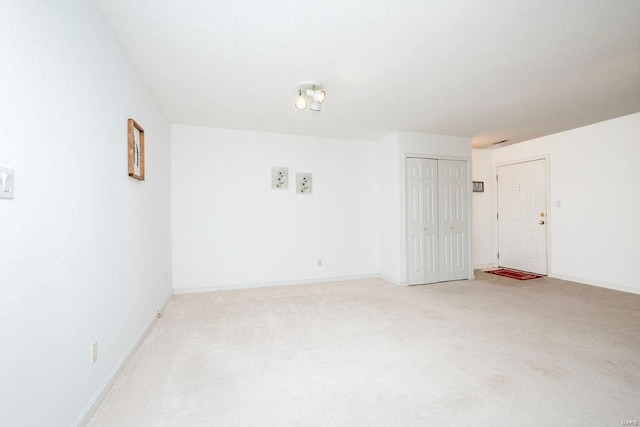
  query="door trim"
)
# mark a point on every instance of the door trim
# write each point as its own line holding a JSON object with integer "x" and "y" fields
{"x": 495, "y": 166}
{"x": 404, "y": 208}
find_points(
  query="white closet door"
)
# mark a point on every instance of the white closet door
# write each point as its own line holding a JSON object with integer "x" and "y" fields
{"x": 452, "y": 203}
{"x": 422, "y": 221}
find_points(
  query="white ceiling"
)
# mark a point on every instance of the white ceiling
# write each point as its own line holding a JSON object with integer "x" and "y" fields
{"x": 491, "y": 70}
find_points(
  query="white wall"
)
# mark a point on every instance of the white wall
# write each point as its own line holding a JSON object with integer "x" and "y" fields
{"x": 389, "y": 262}
{"x": 85, "y": 248}
{"x": 594, "y": 174}
{"x": 483, "y": 217}
{"x": 230, "y": 229}
{"x": 439, "y": 146}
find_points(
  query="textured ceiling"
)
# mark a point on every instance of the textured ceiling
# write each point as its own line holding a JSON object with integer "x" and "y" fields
{"x": 490, "y": 70}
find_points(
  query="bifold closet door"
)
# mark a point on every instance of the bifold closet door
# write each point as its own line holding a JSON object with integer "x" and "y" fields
{"x": 453, "y": 226}
{"x": 437, "y": 228}
{"x": 422, "y": 220}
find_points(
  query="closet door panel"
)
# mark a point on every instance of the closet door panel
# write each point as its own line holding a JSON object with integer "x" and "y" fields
{"x": 452, "y": 209}
{"x": 422, "y": 221}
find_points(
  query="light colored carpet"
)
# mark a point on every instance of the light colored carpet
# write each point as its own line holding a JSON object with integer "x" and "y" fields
{"x": 489, "y": 352}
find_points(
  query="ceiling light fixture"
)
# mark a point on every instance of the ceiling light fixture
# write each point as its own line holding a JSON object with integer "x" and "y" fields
{"x": 310, "y": 94}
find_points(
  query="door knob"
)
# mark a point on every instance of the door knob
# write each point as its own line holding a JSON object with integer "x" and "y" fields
{"x": 541, "y": 222}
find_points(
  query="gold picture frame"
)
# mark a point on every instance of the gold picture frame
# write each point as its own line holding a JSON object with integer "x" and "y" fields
{"x": 135, "y": 135}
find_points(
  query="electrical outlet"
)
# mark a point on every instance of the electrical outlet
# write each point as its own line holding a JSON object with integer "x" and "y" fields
{"x": 319, "y": 263}
{"x": 94, "y": 352}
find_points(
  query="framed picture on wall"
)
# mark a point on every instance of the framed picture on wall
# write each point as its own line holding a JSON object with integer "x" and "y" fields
{"x": 279, "y": 178}
{"x": 478, "y": 186}
{"x": 136, "y": 150}
{"x": 303, "y": 183}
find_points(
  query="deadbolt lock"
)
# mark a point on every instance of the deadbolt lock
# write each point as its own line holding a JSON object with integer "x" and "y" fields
{"x": 542, "y": 214}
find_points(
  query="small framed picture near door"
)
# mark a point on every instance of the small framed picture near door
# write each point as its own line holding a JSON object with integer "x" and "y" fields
{"x": 478, "y": 186}
{"x": 136, "y": 150}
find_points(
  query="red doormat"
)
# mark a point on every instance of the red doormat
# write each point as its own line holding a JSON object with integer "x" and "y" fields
{"x": 514, "y": 274}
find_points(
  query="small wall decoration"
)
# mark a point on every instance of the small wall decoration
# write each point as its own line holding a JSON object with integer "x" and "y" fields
{"x": 303, "y": 183}
{"x": 478, "y": 186}
{"x": 136, "y": 150}
{"x": 279, "y": 178}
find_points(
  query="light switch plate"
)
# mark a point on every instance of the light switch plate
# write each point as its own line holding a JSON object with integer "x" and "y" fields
{"x": 6, "y": 182}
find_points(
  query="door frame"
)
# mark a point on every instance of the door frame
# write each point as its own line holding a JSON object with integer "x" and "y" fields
{"x": 496, "y": 240}
{"x": 404, "y": 209}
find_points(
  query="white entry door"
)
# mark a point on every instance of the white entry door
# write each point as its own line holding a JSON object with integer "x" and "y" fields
{"x": 522, "y": 216}
{"x": 437, "y": 227}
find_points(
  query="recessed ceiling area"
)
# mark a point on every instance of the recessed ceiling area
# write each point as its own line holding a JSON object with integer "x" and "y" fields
{"x": 492, "y": 71}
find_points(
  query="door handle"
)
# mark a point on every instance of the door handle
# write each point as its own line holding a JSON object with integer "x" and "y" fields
{"x": 541, "y": 222}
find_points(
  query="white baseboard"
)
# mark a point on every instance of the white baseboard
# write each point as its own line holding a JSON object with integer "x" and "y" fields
{"x": 99, "y": 395}
{"x": 483, "y": 266}
{"x": 596, "y": 283}
{"x": 389, "y": 279}
{"x": 269, "y": 284}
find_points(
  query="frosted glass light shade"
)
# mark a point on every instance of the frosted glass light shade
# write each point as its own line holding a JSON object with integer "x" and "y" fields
{"x": 301, "y": 102}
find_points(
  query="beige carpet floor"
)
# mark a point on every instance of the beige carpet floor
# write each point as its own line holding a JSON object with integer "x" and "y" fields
{"x": 488, "y": 352}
